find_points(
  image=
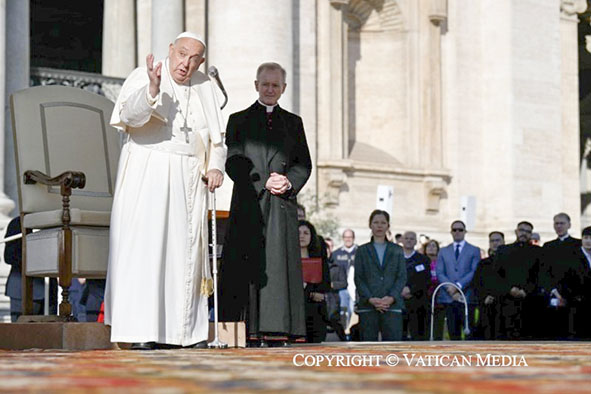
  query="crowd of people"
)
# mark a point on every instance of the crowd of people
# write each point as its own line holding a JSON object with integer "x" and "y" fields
{"x": 520, "y": 290}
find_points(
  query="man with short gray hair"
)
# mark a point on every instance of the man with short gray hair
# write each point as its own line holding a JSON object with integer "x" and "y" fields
{"x": 344, "y": 257}
{"x": 269, "y": 162}
{"x": 559, "y": 256}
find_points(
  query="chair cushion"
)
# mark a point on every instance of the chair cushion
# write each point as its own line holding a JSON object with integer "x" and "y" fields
{"x": 78, "y": 217}
{"x": 90, "y": 252}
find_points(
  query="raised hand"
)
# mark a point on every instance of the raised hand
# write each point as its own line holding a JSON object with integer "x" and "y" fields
{"x": 154, "y": 73}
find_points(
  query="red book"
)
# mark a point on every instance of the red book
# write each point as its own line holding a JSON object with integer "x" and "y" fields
{"x": 312, "y": 268}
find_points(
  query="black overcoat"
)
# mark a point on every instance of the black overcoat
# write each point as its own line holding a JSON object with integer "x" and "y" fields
{"x": 261, "y": 274}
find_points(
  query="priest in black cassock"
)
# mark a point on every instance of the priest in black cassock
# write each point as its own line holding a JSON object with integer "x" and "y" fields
{"x": 269, "y": 161}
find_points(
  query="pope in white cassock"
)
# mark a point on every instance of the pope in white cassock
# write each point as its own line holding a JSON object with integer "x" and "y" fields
{"x": 159, "y": 279}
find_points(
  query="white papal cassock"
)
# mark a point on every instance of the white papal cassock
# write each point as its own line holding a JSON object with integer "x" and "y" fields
{"x": 159, "y": 279}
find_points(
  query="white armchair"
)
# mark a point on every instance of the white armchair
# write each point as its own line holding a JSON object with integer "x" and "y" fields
{"x": 66, "y": 162}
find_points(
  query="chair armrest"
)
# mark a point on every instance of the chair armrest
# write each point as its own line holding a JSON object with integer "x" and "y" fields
{"x": 70, "y": 179}
{"x": 67, "y": 181}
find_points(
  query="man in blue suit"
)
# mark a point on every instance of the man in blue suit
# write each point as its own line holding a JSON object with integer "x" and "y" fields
{"x": 456, "y": 263}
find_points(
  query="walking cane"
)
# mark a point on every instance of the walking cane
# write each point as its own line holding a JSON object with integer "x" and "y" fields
{"x": 216, "y": 343}
{"x": 466, "y": 326}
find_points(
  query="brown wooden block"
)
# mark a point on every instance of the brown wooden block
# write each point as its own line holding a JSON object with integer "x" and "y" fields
{"x": 231, "y": 333}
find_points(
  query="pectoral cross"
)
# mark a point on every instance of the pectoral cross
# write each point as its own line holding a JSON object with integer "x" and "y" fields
{"x": 185, "y": 129}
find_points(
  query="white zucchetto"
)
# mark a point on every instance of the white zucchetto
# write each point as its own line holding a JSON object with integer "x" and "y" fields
{"x": 188, "y": 34}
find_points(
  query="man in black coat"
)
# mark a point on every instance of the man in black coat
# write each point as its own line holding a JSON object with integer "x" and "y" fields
{"x": 269, "y": 162}
{"x": 414, "y": 293}
{"x": 486, "y": 291}
{"x": 561, "y": 257}
{"x": 518, "y": 265}
{"x": 575, "y": 288}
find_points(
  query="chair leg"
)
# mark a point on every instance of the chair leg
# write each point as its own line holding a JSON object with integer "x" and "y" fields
{"x": 65, "y": 274}
{"x": 26, "y": 282}
{"x": 27, "y": 295}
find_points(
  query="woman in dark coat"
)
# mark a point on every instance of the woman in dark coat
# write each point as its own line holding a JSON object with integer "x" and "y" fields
{"x": 380, "y": 275}
{"x": 314, "y": 293}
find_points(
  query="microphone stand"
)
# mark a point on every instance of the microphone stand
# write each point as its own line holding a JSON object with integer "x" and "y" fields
{"x": 212, "y": 71}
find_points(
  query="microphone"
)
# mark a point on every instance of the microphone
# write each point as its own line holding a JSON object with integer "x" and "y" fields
{"x": 212, "y": 71}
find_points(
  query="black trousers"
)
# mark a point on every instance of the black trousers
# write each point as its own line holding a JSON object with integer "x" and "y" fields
{"x": 372, "y": 323}
{"x": 455, "y": 312}
{"x": 316, "y": 321}
{"x": 581, "y": 323}
{"x": 415, "y": 322}
{"x": 488, "y": 325}
{"x": 523, "y": 318}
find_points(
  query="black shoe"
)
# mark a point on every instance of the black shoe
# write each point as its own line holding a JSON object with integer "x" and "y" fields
{"x": 166, "y": 346}
{"x": 199, "y": 345}
{"x": 143, "y": 346}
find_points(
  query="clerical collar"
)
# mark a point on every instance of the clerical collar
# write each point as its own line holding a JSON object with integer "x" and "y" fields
{"x": 269, "y": 108}
{"x": 565, "y": 236}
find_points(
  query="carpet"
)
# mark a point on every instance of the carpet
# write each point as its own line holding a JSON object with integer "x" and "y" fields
{"x": 396, "y": 367}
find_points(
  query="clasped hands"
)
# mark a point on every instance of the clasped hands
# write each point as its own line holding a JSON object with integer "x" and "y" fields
{"x": 382, "y": 304}
{"x": 317, "y": 297}
{"x": 516, "y": 292}
{"x": 454, "y": 293}
{"x": 277, "y": 184}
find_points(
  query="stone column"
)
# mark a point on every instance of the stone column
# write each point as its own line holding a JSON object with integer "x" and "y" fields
{"x": 437, "y": 16}
{"x": 243, "y": 34}
{"x": 167, "y": 23}
{"x": 4, "y": 268}
{"x": 144, "y": 30}
{"x": 119, "y": 41}
{"x": 332, "y": 81}
{"x": 16, "y": 77}
{"x": 339, "y": 68}
{"x": 3, "y": 103}
{"x": 332, "y": 126}
{"x": 571, "y": 188}
{"x": 196, "y": 17}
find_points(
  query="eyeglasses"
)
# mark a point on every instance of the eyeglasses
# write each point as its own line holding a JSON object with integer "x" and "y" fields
{"x": 457, "y": 230}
